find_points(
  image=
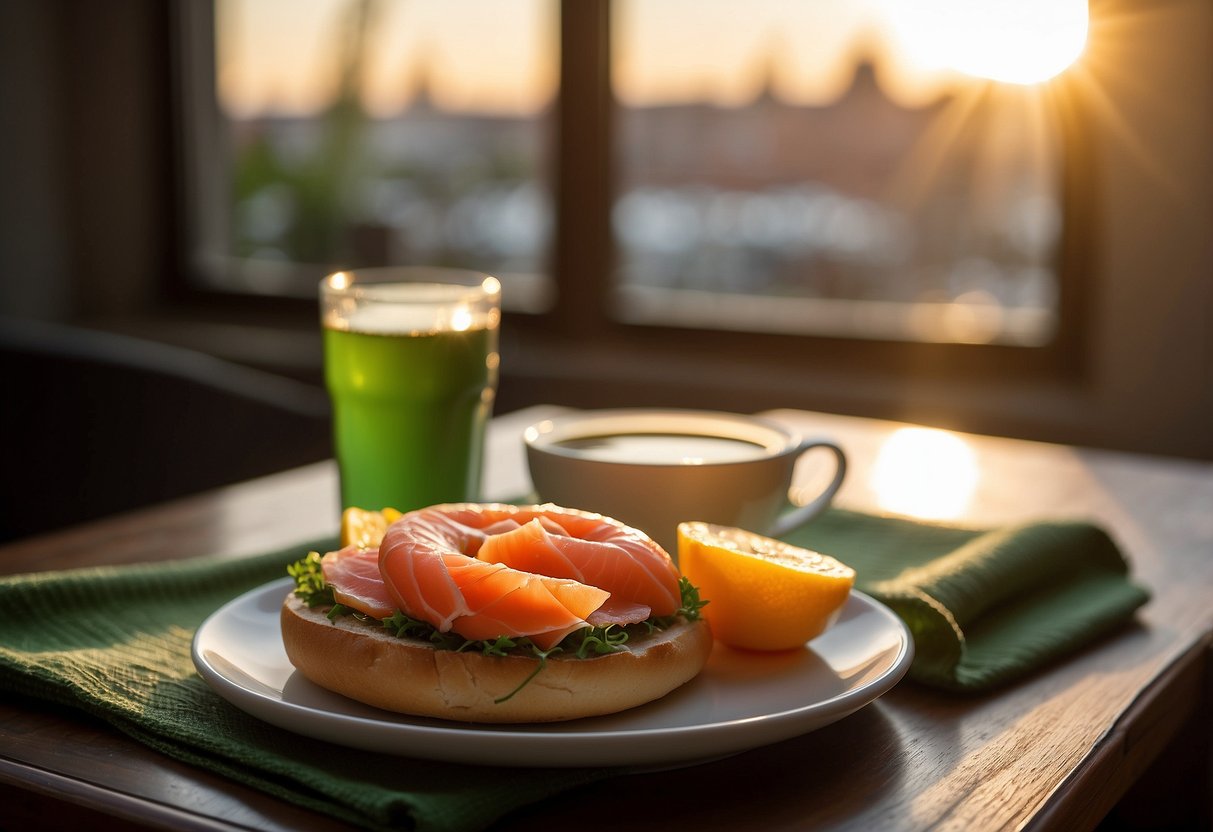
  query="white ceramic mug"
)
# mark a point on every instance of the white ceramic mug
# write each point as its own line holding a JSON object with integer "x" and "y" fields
{"x": 653, "y": 469}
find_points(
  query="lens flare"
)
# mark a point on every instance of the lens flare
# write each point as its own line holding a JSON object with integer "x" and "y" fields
{"x": 1013, "y": 41}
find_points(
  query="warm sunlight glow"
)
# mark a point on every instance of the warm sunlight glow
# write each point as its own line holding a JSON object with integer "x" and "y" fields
{"x": 283, "y": 56}
{"x": 1014, "y": 41}
{"x": 925, "y": 473}
{"x": 728, "y": 52}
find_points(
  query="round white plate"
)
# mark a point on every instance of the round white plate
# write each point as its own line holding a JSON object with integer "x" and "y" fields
{"x": 740, "y": 701}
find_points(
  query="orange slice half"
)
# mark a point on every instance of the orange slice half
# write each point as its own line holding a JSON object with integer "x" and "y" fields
{"x": 762, "y": 594}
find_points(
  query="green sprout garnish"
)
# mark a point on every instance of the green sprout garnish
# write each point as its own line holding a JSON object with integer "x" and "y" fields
{"x": 309, "y": 581}
{"x": 689, "y": 609}
{"x": 691, "y": 603}
{"x": 402, "y": 626}
{"x": 542, "y": 655}
{"x": 600, "y": 640}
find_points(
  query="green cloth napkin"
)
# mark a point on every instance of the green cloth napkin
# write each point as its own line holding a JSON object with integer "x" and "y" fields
{"x": 115, "y": 642}
{"x": 984, "y": 607}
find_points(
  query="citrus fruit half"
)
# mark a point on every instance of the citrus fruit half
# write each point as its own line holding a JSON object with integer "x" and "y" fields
{"x": 365, "y": 529}
{"x": 762, "y": 594}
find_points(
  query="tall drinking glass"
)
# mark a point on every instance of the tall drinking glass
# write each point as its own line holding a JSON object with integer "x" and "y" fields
{"x": 410, "y": 362}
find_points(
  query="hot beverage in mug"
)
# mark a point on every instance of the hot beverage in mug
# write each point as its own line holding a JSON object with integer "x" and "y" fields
{"x": 653, "y": 469}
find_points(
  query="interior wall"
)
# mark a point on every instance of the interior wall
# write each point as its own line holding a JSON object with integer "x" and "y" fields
{"x": 33, "y": 212}
{"x": 85, "y": 212}
{"x": 1152, "y": 333}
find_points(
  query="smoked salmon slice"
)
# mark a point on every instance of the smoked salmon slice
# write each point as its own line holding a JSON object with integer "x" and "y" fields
{"x": 485, "y": 571}
{"x": 621, "y": 565}
{"x": 497, "y": 600}
{"x": 426, "y": 564}
{"x": 353, "y": 574}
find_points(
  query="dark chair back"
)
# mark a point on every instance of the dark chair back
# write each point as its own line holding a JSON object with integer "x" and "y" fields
{"x": 93, "y": 423}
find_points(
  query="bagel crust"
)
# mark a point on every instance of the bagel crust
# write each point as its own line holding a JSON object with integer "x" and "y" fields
{"x": 365, "y": 662}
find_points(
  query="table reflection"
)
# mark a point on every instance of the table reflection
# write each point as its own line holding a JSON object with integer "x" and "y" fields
{"x": 925, "y": 472}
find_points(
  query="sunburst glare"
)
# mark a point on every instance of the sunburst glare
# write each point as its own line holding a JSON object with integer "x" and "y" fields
{"x": 1013, "y": 41}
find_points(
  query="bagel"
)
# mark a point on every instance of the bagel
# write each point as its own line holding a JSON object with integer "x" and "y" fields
{"x": 362, "y": 660}
{"x": 507, "y": 612}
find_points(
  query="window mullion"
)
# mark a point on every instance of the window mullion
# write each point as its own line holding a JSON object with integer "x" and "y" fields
{"x": 582, "y": 248}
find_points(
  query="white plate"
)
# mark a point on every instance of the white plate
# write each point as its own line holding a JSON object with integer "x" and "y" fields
{"x": 740, "y": 700}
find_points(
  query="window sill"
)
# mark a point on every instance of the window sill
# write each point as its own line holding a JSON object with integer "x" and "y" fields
{"x": 659, "y": 369}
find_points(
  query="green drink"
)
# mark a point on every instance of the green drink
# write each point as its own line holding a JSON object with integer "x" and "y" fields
{"x": 411, "y": 369}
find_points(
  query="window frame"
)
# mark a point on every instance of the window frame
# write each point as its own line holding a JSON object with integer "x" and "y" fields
{"x": 578, "y": 335}
{"x": 584, "y": 249}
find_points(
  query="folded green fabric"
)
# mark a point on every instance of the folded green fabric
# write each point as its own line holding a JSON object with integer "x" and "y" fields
{"x": 115, "y": 642}
{"x": 984, "y": 607}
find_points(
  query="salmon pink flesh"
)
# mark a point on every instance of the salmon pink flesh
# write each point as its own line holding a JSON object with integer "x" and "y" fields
{"x": 354, "y": 576}
{"x": 487, "y": 571}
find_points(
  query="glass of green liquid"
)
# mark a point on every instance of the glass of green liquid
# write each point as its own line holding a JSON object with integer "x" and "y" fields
{"x": 410, "y": 362}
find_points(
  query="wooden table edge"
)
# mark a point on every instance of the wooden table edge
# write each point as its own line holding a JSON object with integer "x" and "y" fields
{"x": 1151, "y": 723}
{"x": 137, "y": 812}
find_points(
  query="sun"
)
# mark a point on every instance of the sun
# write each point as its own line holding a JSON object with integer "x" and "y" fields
{"x": 1012, "y": 41}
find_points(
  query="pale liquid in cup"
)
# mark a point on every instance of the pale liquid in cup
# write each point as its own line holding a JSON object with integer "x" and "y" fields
{"x": 409, "y": 410}
{"x": 663, "y": 448}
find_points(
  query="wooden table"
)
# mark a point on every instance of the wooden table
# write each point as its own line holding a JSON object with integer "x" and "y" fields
{"x": 1057, "y": 751}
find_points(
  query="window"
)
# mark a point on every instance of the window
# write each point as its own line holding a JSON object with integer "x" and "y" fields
{"x": 844, "y": 170}
{"x": 364, "y": 133}
{"x": 811, "y": 168}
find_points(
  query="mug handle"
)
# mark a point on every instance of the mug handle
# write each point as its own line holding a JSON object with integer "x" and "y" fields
{"x": 799, "y": 516}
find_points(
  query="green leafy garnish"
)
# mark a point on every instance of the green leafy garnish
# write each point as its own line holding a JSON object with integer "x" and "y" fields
{"x": 691, "y": 604}
{"x": 402, "y": 626}
{"x": 600, "y": 640}
{"x": 309, "y": 581}
{"x": 499, "y": 646}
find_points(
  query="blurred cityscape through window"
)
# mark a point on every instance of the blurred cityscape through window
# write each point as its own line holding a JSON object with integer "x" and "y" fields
{"x": 837, "y": 168}
{"x": 365, "y": 133}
